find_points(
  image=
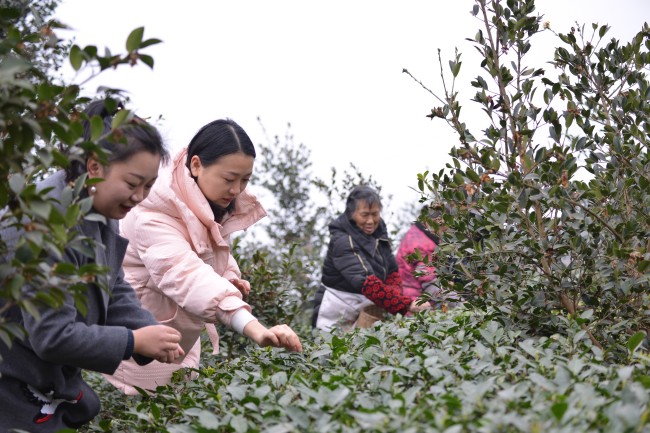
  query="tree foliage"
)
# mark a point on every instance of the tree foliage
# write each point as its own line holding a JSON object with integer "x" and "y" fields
{"x": 282, "y": 255}
{"x": 41, "y": 131}
{"x": 459, "y": 372}
{"x": 30, "y": 19}
{"x": 550, "y": 201}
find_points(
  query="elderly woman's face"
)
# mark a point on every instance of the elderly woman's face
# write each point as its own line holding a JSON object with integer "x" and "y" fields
{"x": 367, "y": 217}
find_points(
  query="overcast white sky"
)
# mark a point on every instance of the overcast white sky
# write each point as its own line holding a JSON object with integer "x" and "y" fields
{"x": 333, "y": 69}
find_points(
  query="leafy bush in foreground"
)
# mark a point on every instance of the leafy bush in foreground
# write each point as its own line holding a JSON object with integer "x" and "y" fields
{"x": 554, "y": 181}
{"x": 41, "y": 131}
{"x": 459, "y": 372}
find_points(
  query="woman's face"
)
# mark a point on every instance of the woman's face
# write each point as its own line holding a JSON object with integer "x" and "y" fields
{"x": 222, "y": 181}
{"x": 367, "y": 217}
{"x": 126, "y": 183}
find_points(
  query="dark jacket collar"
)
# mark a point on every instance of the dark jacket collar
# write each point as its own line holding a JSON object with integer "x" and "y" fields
{"x": 367, "y": 242}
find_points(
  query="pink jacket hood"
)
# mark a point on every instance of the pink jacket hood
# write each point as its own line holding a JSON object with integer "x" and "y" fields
{"x": 177, "y": 194}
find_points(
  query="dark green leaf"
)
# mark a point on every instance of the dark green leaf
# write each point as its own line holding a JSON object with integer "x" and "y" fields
{"x": 149, "y": 42}
{"x": 119, "y": 118}
{"x": 559, "y": 409}
{"x": 147, "y": 60}
{"x": 603, "y": 30}
{"x": 76, "y": 57}
{"x": 96, "y": 128}
{"x": 635, "y": 341}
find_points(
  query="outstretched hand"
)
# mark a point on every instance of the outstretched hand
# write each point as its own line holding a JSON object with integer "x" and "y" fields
{"x": 281, "y": 336}
{"x": 417, "y": 307}
{"x": 277, "y": 336}
{"x": 159, "y": 342}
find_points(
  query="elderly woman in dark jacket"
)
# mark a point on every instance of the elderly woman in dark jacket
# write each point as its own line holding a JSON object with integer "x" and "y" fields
{"x": 360, "y": 268}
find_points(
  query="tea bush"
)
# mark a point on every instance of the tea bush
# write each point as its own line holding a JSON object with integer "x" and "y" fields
{"x": 547, "y": 201}
{"x": 454, "y": 372}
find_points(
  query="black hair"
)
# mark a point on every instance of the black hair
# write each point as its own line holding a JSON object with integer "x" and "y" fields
{"x": 219, "y": 138}
{"x": 361, "y": 193}
{"x": 134, "y": 136}
{"x": 430, "y": 212}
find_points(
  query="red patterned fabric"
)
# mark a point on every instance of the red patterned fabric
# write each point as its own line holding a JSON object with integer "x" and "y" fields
{"x": 387, "y": 296}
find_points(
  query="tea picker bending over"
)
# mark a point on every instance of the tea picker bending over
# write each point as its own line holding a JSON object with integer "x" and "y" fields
{"x": 179, "y": 257}
{"x": 414, "y": 260}
{"x": 42, "y": 388}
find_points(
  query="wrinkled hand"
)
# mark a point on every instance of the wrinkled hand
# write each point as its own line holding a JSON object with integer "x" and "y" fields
{"x": 159, "y": 342}
{"x": 415, "y": 308}
{"x": 242, "y": 285}
{"x": 277, "y": 336}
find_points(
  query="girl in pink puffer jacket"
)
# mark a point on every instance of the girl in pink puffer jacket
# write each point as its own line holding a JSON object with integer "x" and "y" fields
{"x": 178, "y": 259}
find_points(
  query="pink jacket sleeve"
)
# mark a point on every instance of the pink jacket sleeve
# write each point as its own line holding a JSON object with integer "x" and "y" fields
{"x": 232, "y": 270}
{"x": 423, "y": 273}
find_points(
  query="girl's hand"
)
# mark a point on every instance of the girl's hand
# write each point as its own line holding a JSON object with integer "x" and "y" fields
{"x": 159, "y": 342}
{"x": 284, "y": 336}
{"x": 242, "y": 285}
{"x": 277, "y": 336}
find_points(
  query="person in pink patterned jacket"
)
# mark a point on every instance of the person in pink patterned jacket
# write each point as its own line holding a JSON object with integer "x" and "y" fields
{"x": 413, "y": 260}
{"x": 179, "y": 260}
{"x": 421, "y": 242}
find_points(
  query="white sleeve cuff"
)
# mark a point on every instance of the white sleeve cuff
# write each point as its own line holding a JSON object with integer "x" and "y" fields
{"x": 240, "y": 319}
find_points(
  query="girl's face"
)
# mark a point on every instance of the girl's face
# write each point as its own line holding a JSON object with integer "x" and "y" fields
{"x": 126, "y": 183}
{"x": 367, "y": 217}
{"x": 222, "y": 181}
